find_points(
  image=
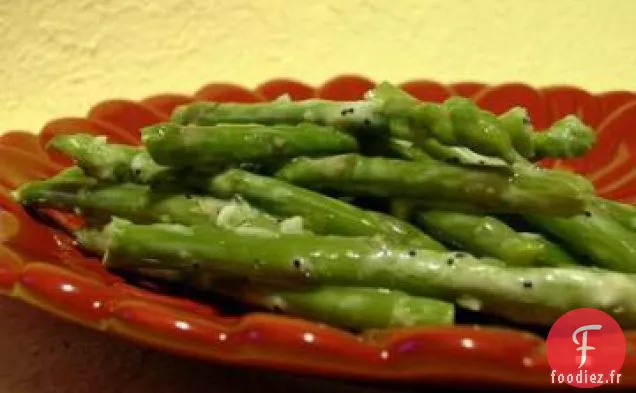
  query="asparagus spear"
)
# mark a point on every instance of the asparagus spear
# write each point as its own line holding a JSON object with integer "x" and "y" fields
{"x": 477, "y": 129}
{"x": 111, "y": 162}
{"x": 552, "y": 254}
{"x": 351, "y": 307}
{"x": 72, "y": 190}
{"x": 594, "y": 235}
{"x": 535, "y": 295}
{"x": 347, "y": 115}
{"x": 568, "y": 137}
{"x": 460, "y": 155}
{"x": 355, "y": 308}
{"x": 93, "y": 154}
{"x": 321, "y": 214}
{"x": 456, "y": 122}
{"x": 347, "y": 307}
{"x": 407, "y": 234}
{"x": 488, "y": 236}
{"x": 619, "y": 212}
{"x": 92, "y": 239}
{"x": 459, "y": 122}
{"x": 406, "y": 150}
{"x": 516, "y": 123}
{"x": 528, "y": 190}
{"x": 199, "y": 146}
{"x": 431, "y": 149}
{"x": 135, "y": 202}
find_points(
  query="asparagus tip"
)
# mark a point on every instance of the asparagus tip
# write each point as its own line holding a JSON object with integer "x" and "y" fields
{"x": 180, "y": 114}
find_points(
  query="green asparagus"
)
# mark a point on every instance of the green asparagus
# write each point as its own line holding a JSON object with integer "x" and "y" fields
{"x": 351, "y": 307}
{"x": 533, "y": 295}
{"x": 593, "y": 235}
{"x": 619, "y": 212}
{"x": 477, "y": 129}
{"x": 568, "y": 137}
{"x": 94, "y": 155}
{"x": 347, "y": 307}
{"x": 407, "y": 234}
{"x": 528, "y": 190}
{"x": 488, "y": 236}
{"x": 110, "y": 162}
{"x": 346, "y": 115}
{"x": 460, "y": 155}
{"x": 201, "y": 147}
{"x": 431, "y": 149}
{"x": 74, "y": 191}
{"x": 516, "y": 123}
{"x": 186, "y": 207}
{"x": 92, "y": 239}
{"x": 406, "y": 150}
{"x": 136, "y": 202}
{"x": 321, "y": 214}
{"x": 552, "y": 254}
{"x": 459, "y": 122}
{"x": 456, "y": 122}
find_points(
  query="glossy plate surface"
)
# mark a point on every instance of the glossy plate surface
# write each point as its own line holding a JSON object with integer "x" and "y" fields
{"x": 41, "y": 266}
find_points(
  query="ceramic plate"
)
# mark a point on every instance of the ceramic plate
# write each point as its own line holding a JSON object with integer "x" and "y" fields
{"x": 41, "y": 266}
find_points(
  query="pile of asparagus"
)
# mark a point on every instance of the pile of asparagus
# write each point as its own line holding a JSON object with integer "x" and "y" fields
{"x": 383, "y": 212}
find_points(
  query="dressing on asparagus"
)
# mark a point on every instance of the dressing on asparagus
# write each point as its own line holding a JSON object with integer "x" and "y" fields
{"x": 307, "y": 208}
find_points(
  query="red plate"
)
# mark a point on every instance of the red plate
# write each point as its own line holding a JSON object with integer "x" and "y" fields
{"x": 40, "y": 266}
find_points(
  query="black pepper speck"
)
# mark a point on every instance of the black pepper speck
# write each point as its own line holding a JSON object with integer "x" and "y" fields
{"x": 347, "y": 111}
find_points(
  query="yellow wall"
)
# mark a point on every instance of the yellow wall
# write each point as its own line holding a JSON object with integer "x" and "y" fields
{"x": 59, "y": 56}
